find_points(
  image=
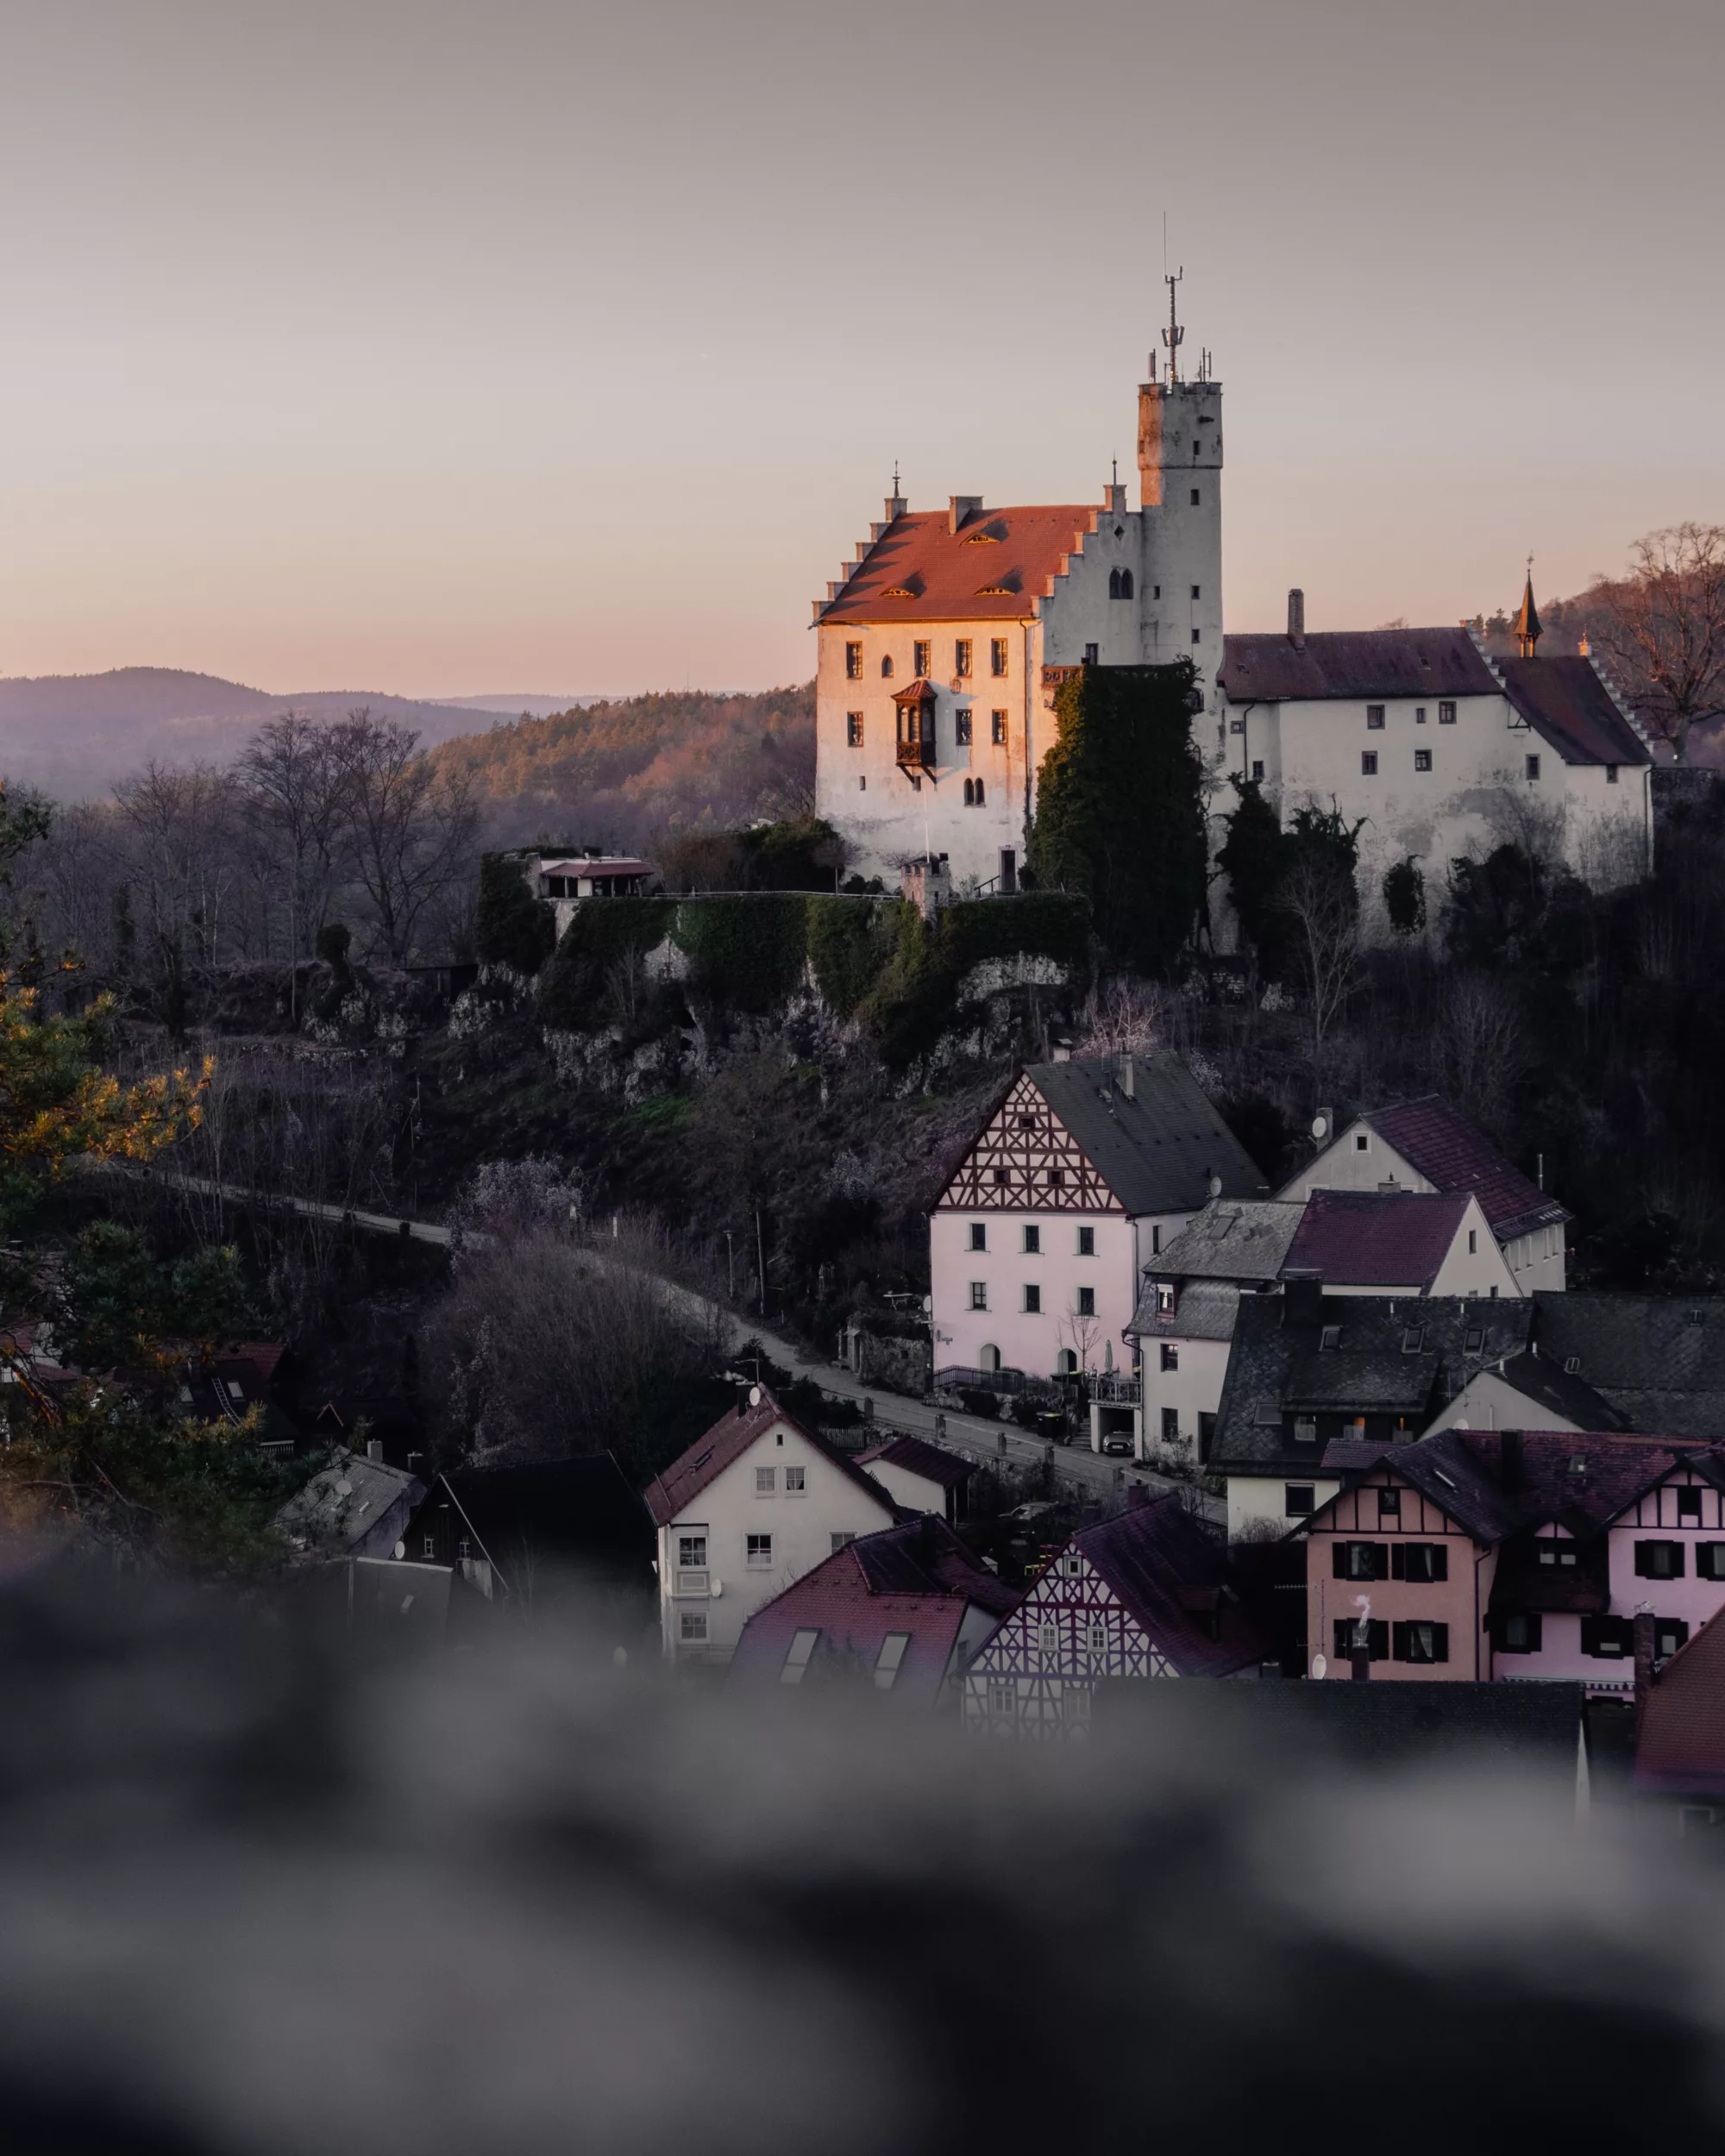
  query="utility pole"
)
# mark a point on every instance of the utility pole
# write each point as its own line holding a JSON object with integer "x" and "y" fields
{"x": 761, "y": 1259}
{"x": 730, "y": 1261}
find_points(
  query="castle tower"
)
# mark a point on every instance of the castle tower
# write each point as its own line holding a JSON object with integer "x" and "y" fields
{"x": 1527, "y": 629}
{"x": 1180, "y": 482}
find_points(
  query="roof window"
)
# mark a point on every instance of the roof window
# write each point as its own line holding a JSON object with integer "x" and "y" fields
{"x": 886, "y": 1662}
{"x": 1329, "y": 1338}
{"x": 1412, "y": 1339}
{"x": 1445, "y": 1480}
{"x": 798, "y": 1654}
{"x": 1473, "y": 1340}
{"x": 1571, "y": 1365}
{"x": 898, "y": 591}
{"x": 1578, "y": 1463}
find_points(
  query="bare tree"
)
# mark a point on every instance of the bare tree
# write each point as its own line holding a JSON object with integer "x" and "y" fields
{"x": 294, "y": 802}
{"x": 1663, "y": 628}
{"x": 1127, "y": 1017}
{"x": 412, "y": 826}
{"x": 1478, "y": 1046}
{"x": 1321, "y": 905}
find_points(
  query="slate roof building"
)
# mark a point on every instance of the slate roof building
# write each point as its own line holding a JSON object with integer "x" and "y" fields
{"x": 901, "y": 1611}
{"x": 752, "y": 1506}
{"x": 354, "y": 1507}
{"x": 1424, "y": 1145}
{"x": 1445, "y": 752}
{"x": 1145, "y": 1595}
{"x": 1657, "y": 1360}
{"x": 1514, "y": 1554}
{"x": 932, "y": 691}
{"x": 1080, "y": 1174}
{"x": 1307, "y": 1368}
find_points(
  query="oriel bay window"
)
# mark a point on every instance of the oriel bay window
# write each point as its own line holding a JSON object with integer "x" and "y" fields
{"x": 915, "y": 709}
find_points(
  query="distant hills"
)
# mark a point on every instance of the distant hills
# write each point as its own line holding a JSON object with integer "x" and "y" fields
{"x": 73, "y": 734}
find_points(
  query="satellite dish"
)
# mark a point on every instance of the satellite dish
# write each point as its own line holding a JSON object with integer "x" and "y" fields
{"x": 716, "y": 1587}
{"x": 754, "y": 1395}
{"x": 1320, "y": 1669}
{"x": 401, "y": 1549}
{"x": 1320, "y": 1126}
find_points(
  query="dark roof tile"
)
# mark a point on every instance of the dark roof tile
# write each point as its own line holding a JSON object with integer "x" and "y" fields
{"x": 1452, "y": 1155}
{"x": 1155, "y": 1148}
{"x": 1375, "y": 1239}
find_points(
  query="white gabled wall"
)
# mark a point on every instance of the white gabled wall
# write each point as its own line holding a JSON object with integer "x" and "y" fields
{"x": 1258, "y": 1504}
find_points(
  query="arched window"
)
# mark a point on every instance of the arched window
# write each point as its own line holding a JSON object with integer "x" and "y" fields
{"x": 1114, "y": 583}
{"x": 969, "y": 794}
{"x": 1120, "y": 583}
{"x": 1066, "y": 1364}
{"x": 979, "y": 793}
{"x": 1126, "y": 583}
{"x": 989, "y": 1358}
{"x": 887, "y": 668}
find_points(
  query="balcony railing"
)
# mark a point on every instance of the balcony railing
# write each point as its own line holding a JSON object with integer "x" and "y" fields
{"x": 916, "y": 754}
{"x": 1113, "y": 1388}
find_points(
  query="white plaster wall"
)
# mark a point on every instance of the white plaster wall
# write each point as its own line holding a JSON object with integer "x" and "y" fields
{"x": 916, "y": 1493}
{"x": 1259, "y": 1501}
{"x": 1480, "y": 1271}
{"x": 1028, "y": 1341}
{"x": 1488, "y": 1401}
{"x": 730, "y": 1510}
{"x": 1195, "y": 1388}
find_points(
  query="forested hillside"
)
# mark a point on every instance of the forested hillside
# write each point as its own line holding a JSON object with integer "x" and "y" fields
{"x": 616, "y": 774}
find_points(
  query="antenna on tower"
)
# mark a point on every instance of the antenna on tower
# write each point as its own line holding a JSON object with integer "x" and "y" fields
{"x": 1173, "y": 336}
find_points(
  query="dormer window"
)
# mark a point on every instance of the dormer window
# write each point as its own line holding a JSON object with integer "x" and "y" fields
{"x": 1164, "y": 1299}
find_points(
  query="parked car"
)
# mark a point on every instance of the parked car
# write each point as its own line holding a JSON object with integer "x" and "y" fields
{"x": 1118, "y": 1446}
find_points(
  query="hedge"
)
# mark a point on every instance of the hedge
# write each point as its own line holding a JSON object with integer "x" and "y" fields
{"x": 604, "y": 930}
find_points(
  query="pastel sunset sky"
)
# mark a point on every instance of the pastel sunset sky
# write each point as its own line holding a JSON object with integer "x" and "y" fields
{"x": 526, "y": 346}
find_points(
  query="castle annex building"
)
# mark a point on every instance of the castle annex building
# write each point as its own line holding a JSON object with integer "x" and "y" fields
{"x": 931, "y": 715}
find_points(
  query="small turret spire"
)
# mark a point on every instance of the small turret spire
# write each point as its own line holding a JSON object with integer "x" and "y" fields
{"x": 1527, "y": 629}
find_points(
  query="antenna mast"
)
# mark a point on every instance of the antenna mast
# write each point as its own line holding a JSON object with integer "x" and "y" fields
{"x": 1173, "y": 336}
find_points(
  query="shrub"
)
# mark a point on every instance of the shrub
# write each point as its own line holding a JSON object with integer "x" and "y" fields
{"x": 747, "y": 953}
{"x": 848, "y": 944}
{"x": 605, "y": 933}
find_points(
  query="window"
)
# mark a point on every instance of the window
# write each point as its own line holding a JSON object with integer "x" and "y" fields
{"x": 1361, "y": 1560}
{"x": 1033, "y": 1301}
{"x": 853, "y": 729}
{"x": 1087, "y": 1242}
{"x": 979, "y": 1235}
{"x": 1156, "y": 1242}
{"x": 1533, "y": 767}
{"x": 1709, "y": 1560}
{"x": 887, "y": 668}
{"x": 1374, "y": 718}
{"x": 842, "y": 1539}
{"x": 1611, "y": 774}
{"x": 1346, "y": 1634}
{"x": 1368, "y": 763}
{"x": 1413, "y": 1339}
{"x": 803, "y": 1645}
{"x": 1090, "y": 654}
{"x": 1072, "y": 1565}
{"x": 1157, "y": 592}
{"x": 1048, "y": 1639}
{"x": 1257, "y": 770}
{"x": 1206, "y": 1434}
{"x": 1329, "y": 1339}
{"x": 1170, "y": 1426}
{"x": 1057, "y": 1178}
{"x": 1419, "y": 714}
{"x": 1389, "y": 1504}
{"x": 969, "y": 793}
{"x": 1003, "y": 1176}
{"x": 1171, "y": 1355}
{"x": 1669, "y": 1634}
{"x": 1195, "y": 592}
{"x": 1362, "y": 1140}
{"x": 1305, "y": 1429}
{"x": 1086, "y": 1302}
{"x": 853, "y": 663}
{"x": 1473, "y": 1242}
{"x": 1553, "y": 1555}
{"x": 1197, "y": 636}
{"x": 1659, "y": 1560}
{"x": 1446, "y": 714}
{"x": 886, "y": 1662}
{"x": 979, "y": 1294}
{"x": 691, "y": 1552}
{"x": 759, "y": 1552}
{"x": 1520, "y": 1632}
{"x": 1097, "y": 1639}
{"x": 430, "y": 1546}
{"x": 766, "y": 1481}
{"x": 1002, "y": 1698}
{"x": 1164, "y": 1299}
{"x": 691, "y": 1625}
{"x": 1194, "y": 498}
{"x": 999, "y": 719}
{"x": 796, "y": 1481}
{"x": 961, "y": 728}
{"x": 997, "y": 658}
{"x": 961, "y": 658}
{"x": 1420, "y": 1642}
{"x": 1120, "y": 583}
{"x": 1298, "y": 1499}
{"x": 1033, "y": 1241}
{"x": 922, "y": 654}
{"x": 1422, "y": 760}
{"x": 1473, "y": 1340}
{"x": 1421, "y": 1564}
{"x": 1688, "y": 1506}
{"x": 1607, "y": 1639}
{"x": 980, "y": 793}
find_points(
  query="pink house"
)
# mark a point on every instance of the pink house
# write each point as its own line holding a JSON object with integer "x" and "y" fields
{"x": 1513, "y": 1554}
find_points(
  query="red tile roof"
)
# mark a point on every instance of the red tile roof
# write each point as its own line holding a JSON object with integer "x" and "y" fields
{"x": 918, "y": 1578}
{"x": 1375, "y": 1239}
{"x": 917, "y": 1456}
{"x": 729, "y": 1438}
{"x": 1680, "y": 1749}
{"x": 1161, "y": 1563}
{"x": 994, "y": 567}
{"x": 1451, "y": 1154}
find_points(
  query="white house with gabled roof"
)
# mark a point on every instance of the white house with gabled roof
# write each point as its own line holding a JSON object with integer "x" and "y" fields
{"x": 752, "y": 1505}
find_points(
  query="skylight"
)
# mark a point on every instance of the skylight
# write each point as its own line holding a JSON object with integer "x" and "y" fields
{"x": 1329, "y": 1338}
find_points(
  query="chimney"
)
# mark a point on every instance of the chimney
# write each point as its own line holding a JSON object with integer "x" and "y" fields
{"x": 1302, "y": 1298}
{"x": 1512, "y": 1462}
{"x": 374, "y": 1449}
{"x": 960, "y": 509}
{"x": 1296, "y": 618}
{"x": 1643, "y": 1635}
{"x": 1125, "y": 1077}
{"x": 1359, "y": 1665}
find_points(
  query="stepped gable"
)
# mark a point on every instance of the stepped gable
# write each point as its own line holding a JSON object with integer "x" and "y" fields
{"x": 995, "y": 567}
{"x": 1376, "y": 1237}
{"x": 1374, "y": 665}
{"x": 1452, "y": 1155}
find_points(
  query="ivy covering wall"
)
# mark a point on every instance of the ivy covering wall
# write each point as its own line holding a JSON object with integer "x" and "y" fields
{"x": 514, "y": 927}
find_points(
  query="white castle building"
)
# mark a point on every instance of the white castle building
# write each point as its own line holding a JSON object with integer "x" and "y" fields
{"x": 933, "y": 716}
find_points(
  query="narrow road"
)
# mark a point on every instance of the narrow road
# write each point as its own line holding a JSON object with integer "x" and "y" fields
{"x": 1086, "y": 1471}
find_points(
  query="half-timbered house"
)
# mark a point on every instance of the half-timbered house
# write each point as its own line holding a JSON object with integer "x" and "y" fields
{"x": 1081, "y": 1173}
{"x": 1145, "y": 1595}
{"x": 1512, "y": 1554}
